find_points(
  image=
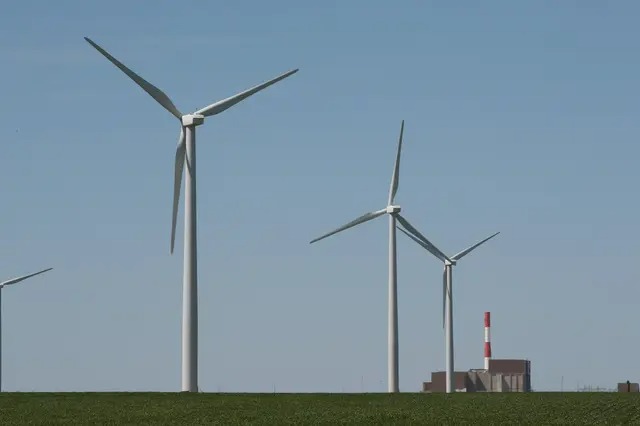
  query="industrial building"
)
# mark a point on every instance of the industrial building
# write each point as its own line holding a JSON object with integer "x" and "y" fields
{"x": 503, "y": 375}
{"x": 498, "y": 375}
{"x": 628, "y": 387}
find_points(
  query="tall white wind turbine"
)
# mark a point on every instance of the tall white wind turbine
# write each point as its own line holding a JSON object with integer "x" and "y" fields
{"x": 447, "y": 295}
{"x": 186, "y": 152}
{"x": 394, "y": 214}
{"x": 3, "y": 285}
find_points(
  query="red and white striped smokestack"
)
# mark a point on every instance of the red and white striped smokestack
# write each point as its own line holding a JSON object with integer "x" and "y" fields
{"x": 487, "y": 339}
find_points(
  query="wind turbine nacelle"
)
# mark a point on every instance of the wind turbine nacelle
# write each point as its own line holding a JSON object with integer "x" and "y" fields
{"x": 393, "y": 209}
{"x": 192, "y": 119}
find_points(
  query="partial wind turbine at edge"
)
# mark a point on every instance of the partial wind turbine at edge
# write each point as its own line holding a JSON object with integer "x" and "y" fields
{"x": 22, "y": 278}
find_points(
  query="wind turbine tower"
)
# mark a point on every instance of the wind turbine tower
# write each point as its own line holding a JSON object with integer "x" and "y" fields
{"x": 186, "y": 154}
{"x": 393, "y": 210}
{"x": 447, "y": 295}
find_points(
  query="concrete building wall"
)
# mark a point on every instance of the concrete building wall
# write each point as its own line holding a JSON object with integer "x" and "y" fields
{"x": 438, "y": 381}
{"x": 514, "y": 382}
{"x": 485, "y": 381}
{"x": 480, "y": 381}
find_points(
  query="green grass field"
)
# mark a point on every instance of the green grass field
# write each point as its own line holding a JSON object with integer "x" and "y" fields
{"x": 278, "y": 409}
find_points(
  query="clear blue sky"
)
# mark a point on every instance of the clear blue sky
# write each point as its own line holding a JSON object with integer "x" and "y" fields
{"x": 521, "y": 117}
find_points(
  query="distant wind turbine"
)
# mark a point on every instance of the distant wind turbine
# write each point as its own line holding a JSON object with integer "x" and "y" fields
{"x": 186, "y": 151}
{"x": 3, "y": 285}
{"x": 447, "y": 295}
{"x": 394, "y": 214}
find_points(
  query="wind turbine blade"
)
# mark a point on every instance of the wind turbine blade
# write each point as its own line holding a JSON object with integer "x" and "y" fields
{"x": 24, "y": 277}
{"x": 429, "y": 247}
{"x": 364, "y": 218}
{"x": 227, "y": 103}
{"x": 473, "y": 247}
{"x": 152, "y": 90}
{"x": 444, "y": 292}
{"x": 395, "y": 178}
{"x": 421, "y": 239}
{"x": 177, "y": 183}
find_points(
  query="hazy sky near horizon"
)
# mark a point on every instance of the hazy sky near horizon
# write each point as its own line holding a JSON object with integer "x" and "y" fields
{"x": 521, "y": 117}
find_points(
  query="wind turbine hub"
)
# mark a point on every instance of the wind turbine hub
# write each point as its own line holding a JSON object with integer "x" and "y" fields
{"x": 192, "y": 119}
{"x": 393, "y": 209}
{"x": 452, "y": 263}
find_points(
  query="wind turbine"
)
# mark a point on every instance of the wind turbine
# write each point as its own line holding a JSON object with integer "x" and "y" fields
{"x": 394, "y": 214}
{"x": 186, "y": 152}
{"x": 2, "y": 285}
{"x": 447, "y": 296}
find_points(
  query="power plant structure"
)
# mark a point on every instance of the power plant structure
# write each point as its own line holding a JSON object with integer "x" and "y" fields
{"x": 498, "y": 375}
{"x": 487, "y": 339}
{"x": 628, "y": 387}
